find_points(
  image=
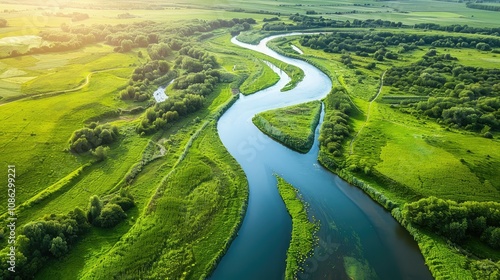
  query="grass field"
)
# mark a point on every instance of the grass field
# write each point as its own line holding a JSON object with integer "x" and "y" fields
{"x": 201, "y": 202}
{"x": 292, "y": 126}
{"x": 83, "y": 85}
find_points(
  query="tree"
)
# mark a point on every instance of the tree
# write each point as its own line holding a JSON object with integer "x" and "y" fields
{"x": 58, "y": 247}
{"x": 483, "y": 46}
{"x": 141, "y": 41}
{"x": 3, "y": 22}
{"x": 100, "y": 153}
{"x": 111, "y": 215}
{"x": 95, "y": 208}
{"x": 163, "y": 66}
{"x": 126, "y": 45}
{"x": 371, "y": 66}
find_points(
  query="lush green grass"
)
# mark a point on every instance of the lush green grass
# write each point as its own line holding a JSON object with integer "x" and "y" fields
{"x": 143, "y": 188}
{"x": 302, "y": 241}
{"x": 261, "y": 76}
{"x": 35, "y": 132}
{"x": 48, "y": 73}
{"x": 292, "y": 126}
{"x": 197, "y": 207}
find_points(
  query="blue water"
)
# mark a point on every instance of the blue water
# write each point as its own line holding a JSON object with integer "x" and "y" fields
{"x": 353, "y": 228}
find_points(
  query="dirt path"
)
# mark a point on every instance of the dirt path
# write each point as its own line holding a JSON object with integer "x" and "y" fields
{"x": 351, "y": 146}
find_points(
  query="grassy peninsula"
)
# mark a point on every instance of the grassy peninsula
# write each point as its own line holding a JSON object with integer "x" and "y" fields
{"x": 292, "y": 126}
{"x": 302, "y": 241}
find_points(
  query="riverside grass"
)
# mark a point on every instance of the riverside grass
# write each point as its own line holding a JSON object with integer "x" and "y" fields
{"x": 292, "y": 126}
{"x": 376, "y": 165}
{"x": 302, "y": 241}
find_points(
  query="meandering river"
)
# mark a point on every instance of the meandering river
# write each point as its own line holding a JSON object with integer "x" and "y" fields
{"x": 357, "y": 237}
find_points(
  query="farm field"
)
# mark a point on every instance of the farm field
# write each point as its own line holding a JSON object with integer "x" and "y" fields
{"x": 78, "y": 121}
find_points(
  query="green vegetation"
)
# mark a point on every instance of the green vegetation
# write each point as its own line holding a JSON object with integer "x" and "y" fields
{"x": 92, "y": 67}
{"x": 302, "y": 240}
{"x": 457, "y": 222}
{"x": 245, "y": 66}
{"x": 439, "y": 159}
{"x": 110, "y": 80}
{"x": 195, "y": 201}
{"x": 262, "y": 77}
{"x": 92, "y": 137}
{"x": 292, "y": 126}
{"x": 54, "y": 235}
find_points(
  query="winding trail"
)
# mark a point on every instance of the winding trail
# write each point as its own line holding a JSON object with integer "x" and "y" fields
{"x": 351, "y": 145}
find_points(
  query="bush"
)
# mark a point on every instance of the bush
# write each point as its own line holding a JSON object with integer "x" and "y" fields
{"x": 93, "y": 136}
{"x": 111, "y": 215}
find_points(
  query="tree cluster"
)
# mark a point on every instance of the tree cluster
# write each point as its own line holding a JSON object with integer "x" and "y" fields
{"x": 75, "y": 16}
{"x": 169, "y": 111}
{"x": 154, "y": 71}
{"x": 308, "y": 22}
{"x": 483, "y": 6}
{"x": 54, "y": 235}
{"x": 92, "y": 137}
{"x": 363, "y": 43}
{"x": 457, "y": 221}
{"x": 109, "y": 213}
{"x": 335, "y": 128}
{"x": 125, "y": 37}
{"x": 461, "y": 96}
{"x": 39, "y": 241}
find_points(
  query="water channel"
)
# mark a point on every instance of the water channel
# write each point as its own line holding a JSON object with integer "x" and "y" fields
{"x": 357, "y": 237}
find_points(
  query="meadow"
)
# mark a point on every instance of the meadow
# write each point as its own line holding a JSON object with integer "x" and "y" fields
{"x": 72, "y": 89}
{"x": 292, "y": 126}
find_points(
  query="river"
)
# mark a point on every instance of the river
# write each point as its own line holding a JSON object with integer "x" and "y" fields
{"x": 357, "y": 237}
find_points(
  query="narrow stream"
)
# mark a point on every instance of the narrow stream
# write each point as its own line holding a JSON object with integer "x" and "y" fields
{"x": 357, "y": 237}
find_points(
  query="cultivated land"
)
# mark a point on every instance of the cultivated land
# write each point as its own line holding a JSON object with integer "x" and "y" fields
{"x": 189, "y": 194}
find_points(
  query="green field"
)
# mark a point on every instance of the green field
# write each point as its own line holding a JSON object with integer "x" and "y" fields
{"x": 292, "y": 126}
{"x": 189, "y": 193}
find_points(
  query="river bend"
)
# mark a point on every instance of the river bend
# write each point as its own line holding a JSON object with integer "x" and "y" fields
{"x": 356, "y": 234}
